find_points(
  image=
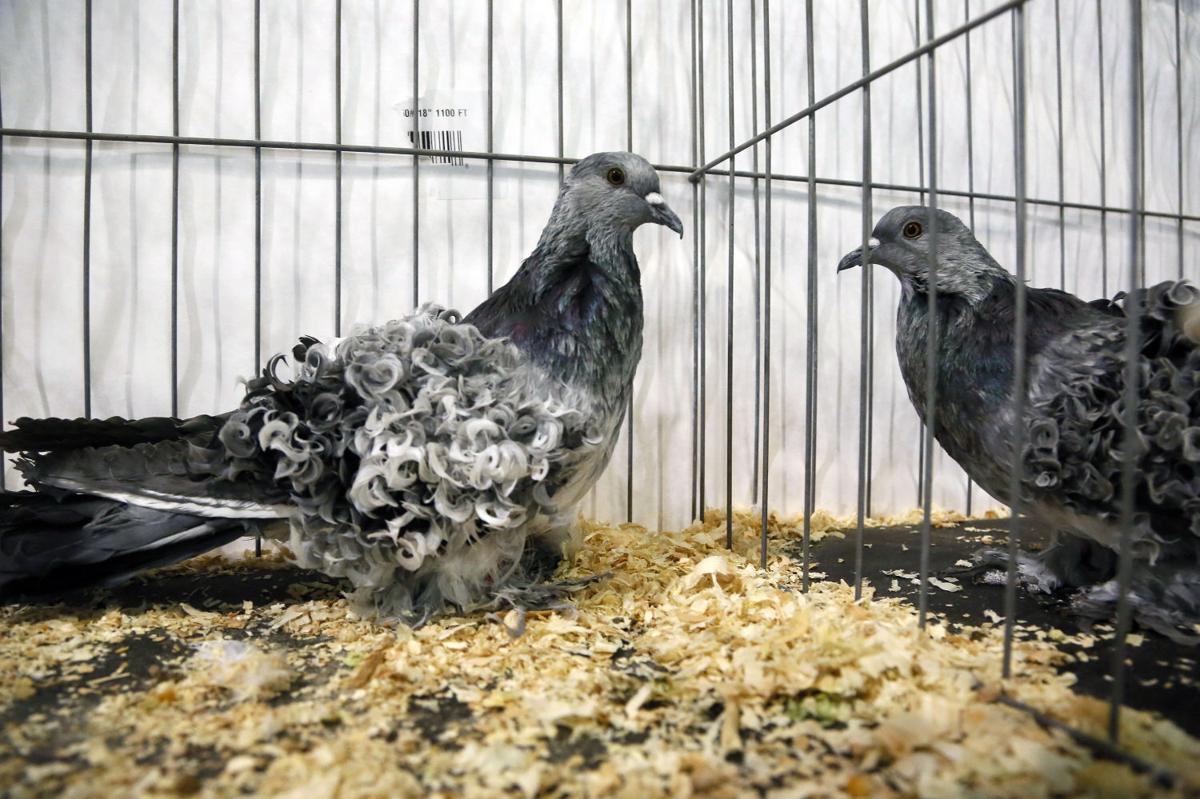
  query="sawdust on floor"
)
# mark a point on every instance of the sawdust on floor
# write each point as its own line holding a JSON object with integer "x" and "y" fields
{"x": 686, "y": 672}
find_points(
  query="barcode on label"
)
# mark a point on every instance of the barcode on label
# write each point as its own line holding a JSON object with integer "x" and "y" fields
{"x": 450, "y": 140}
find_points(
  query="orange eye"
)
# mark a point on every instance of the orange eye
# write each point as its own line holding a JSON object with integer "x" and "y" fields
{"x": 912, "y": 230}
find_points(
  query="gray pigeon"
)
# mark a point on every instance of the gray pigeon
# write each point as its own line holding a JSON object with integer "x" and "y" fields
{"x": 1074, "y": 371}
{"x": 434, "y": 462}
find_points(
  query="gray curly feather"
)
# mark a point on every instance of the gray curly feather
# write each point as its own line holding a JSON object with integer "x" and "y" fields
{"x": 403, "y": 448}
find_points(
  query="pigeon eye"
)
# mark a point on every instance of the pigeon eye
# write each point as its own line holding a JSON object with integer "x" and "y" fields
{"x": 912, "y": 230}
{"x": 616, "y": 176}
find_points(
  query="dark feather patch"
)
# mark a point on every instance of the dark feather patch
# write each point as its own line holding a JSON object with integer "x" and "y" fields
{"x": 41, "y": 435}
{"x": 49, "y": 546}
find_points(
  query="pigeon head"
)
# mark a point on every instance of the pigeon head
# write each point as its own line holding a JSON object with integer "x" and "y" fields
{"x": 901, "y": 242}
{"x": 614, "y": 194}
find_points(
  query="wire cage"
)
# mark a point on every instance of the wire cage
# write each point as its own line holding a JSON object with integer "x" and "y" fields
{"x": 188, "y": 187}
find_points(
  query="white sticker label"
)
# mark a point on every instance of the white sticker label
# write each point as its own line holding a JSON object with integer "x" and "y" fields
{"x": 451, "y": 122}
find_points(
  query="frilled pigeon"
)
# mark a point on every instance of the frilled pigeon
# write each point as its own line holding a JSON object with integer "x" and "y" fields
{"x": 1075, "y": 373}
{"x": 434, "y": 461}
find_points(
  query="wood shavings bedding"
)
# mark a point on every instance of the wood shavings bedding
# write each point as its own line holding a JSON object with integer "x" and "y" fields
{"x": 688, "y": 672}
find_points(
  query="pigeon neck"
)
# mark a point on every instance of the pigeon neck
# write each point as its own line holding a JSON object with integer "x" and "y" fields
{"x": 967, "y": 273}
{"x": 589, "y": 292}
{"x": 575, "y": 308}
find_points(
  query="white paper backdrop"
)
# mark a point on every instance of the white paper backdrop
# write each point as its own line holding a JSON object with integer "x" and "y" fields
{"x": 42, "y": 80}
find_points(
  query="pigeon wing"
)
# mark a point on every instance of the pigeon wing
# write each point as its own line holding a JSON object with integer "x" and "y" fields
{"x": 1075, "y": 415}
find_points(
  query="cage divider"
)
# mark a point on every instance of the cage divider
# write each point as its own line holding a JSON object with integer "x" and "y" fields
{"x": 87, "y": 213}
{"x": 1019, "y": 385}
{"x": 756, "y": 202}
{"x": 810, "y": 364}
{"x": 337, "y": 168}
{"x": 1100, "y": 747}
{"x": 479, "y": 155}
{"x": 629, "y": 147}
{"x": 703, "y": 424}
{"x": 931, "y": 349}
{"x": 416, "y": 161}
{"x": 1179, "y": 154}
{"x": 729, "y": 290}
{"x": 864, "y": 309}
{"x": 3, "y": 456}
{"x": 697, "y": 132}
{"x": 258, "y": 282}
{"x": 175, "y": 209}
{"x": 1103, "y": 151}
{"x": 1129, "y": 397}
{"x": 1060, "y": 154}
{"x": 558, "y": 20}
{"x": 376, "y": 136}
{"x": 970, "y": 110}
{"x": 920, "y": 92}
{"x": 853, "y": 86}
{"x": 765, "y": 452}
{"x": 491, "y": 147}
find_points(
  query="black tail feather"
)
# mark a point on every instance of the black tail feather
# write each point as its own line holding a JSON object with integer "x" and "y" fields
{"x": 52, "y": 546}
{"x": 42, "y": 435}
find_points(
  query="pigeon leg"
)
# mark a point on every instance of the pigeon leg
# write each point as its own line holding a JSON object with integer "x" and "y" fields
{"x": 990, "y": 567}
{"x": 530, "y": 587}
{"x": 1068, "y": 562}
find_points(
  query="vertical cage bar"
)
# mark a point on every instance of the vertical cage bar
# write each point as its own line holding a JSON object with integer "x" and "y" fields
{"x": 729, "y": 295}
{"x": 491, "y": 165}
{"x": 765, "y": 437}
{"x": 921, "y": 198}
{"x": 87, "y": 213}
{"x": 175, "y": 209}
{"x": 629, "y": 75}
{"x": 1103, "y": 153}
{"x": 810, "y": 364}
{"x": 416, "y": 162}
{"x": 629, "y": 147}
{"x": 1016, "y": 467}
{"x": 376, "y": 105}
{"x": 864, "y": 320}
{"x": 702, "y": 278}
{"x": 697, "y": 273}
{"x": 920, "y": 103}
{"x": 3, "y": 458}
{"x": 757, "y": 255}
{"x": 258, "y": 282}
{"x": 1062, "y": 211}
{"x": 1179, "y": 162}
{"x": 931, "y": 351}
{"x": 337, "y": 168}
{"x": 257, "y": 188}
{"x": 1132, "y": 372}
{"x": 970, "y": 177}
{"x": 869, "y": 301}
{"x": 559, "y": 33}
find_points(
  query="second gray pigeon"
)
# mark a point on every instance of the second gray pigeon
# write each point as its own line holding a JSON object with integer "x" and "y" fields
{"x": 1075, "y": 373}
{"x": 434, "y": 462}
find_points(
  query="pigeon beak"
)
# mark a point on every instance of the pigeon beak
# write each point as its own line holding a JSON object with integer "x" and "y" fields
{"x": 855, "y": 258}
{"x": 661, "y": 213}
{"x": 850, "y": 260}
